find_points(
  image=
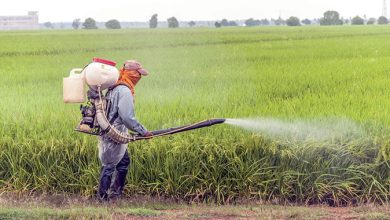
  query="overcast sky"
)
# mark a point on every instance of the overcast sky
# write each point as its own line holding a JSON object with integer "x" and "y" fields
{"x": 141, "y": 10}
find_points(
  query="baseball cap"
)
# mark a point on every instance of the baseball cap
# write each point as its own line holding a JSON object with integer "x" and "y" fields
{"x": 135, "y": 65}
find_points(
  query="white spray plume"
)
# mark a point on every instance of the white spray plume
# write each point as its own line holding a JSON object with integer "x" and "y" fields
{"x": 326, "y": 129}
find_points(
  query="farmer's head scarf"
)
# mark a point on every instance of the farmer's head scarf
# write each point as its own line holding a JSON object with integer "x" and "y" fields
{"x": 131, "y": 73}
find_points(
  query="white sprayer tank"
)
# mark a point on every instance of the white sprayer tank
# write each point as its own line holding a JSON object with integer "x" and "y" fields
{"x": 73, "y": 87}
{"x": 101, "y": 73}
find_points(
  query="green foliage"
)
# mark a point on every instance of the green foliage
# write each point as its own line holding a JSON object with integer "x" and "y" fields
{"x": 153, "y": 22}
{"x": 232, "y": 23}
{"x": 306, "y": 21}
{"x": 113, "y": 24}
{"x": 225, "y": 22}
{"x": 331, "y": 18}
{"x": 357, "y": 21}
{"x": 371, "y": 21}
{"x": 48, "y": 25}
{"x": 264, "y": 22}
{"x": 286, "y": 73}
{"x": 383, "y": 20}
{"x": 252, "y": 22}
{"x": 191, "y": 23}
{"x": 217, "y": 24}
{"x": 82, "y": 212}
{"x": 76, "y": 23}
{"x": 228, "y": 23}
{"x": 293, "y": 21}
{"x": 279, "y": 21}
{"x": 89, "y": 23}
{"x": 173, "y": 22}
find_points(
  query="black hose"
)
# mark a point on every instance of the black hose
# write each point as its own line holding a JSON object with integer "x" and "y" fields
{"x": 180, "y": 129}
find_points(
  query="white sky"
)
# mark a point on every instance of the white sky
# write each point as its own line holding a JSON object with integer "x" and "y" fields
{"x": 141, "y": 10}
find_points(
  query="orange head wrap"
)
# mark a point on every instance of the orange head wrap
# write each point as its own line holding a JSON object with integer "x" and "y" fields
{"x": 129, "y": 78}
{"x": 131, "y": 73}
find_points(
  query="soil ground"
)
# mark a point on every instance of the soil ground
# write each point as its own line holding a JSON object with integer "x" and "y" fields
{"x": 67, "y": 207}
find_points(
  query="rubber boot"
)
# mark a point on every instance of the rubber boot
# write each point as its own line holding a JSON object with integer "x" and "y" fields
{"x": 105, "y": 181}
{"x": 120, "y": 177}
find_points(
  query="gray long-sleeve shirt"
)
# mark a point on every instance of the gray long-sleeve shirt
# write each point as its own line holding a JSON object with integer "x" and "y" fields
{"x": 121, "y": 114}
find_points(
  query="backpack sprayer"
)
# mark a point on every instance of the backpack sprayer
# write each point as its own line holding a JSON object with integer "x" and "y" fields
{"x": 100, "y": 75}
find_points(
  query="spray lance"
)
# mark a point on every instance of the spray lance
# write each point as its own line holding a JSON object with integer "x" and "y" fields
{"x": 100, "y": 75}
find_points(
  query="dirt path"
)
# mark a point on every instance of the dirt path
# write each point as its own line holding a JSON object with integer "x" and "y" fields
{"x": 55, "y": 207}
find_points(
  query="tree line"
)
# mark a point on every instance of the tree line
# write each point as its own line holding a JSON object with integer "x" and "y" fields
{"x": 329, "y": 18}
{"x": 90, "y": 23}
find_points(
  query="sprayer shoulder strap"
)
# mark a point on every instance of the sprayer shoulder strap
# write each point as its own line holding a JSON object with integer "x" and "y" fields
{"x": 109, "y": 105}
{"x": 116, "y": 115}
{"x": 119, "y": 84}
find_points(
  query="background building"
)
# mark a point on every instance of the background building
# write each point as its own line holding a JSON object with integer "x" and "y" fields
{"x": 26, "y": 22}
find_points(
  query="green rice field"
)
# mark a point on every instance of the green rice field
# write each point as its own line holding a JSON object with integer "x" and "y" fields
{"x": 287, "y": 73}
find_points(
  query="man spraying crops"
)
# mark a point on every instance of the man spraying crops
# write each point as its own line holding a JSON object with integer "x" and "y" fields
{"x": 120, "y": 110}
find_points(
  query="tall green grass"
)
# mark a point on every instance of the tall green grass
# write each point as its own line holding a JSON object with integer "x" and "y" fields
{"x": 287, "y": 73}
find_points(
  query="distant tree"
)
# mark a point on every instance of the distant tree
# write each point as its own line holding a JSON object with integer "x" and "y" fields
{"x": 113, "y": 24}
{"x": 371, "y": 21}
{"x": 232, "y": 23}
{"x": 89, "y": 23}
{"x": 293, "y": 21}
{"x": 331, "y": 18}
{"x": 252, "y": 22}
{"x": 383, "y": 20}
{"x": 191, "y": 23}
{"x": 217, "y": 24}
{"x": 280, "y": 21}
{"x": 153, "y": 22}
{"x": 264, "y": 22}
{"x": 306, "y": 22}
{"x": 76, "y": 23}
{"x": 173, "y": 22}
{"x": 48, "y": 25}
{"x": 357, "y": 21}
{"x": 225, "y": 22}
